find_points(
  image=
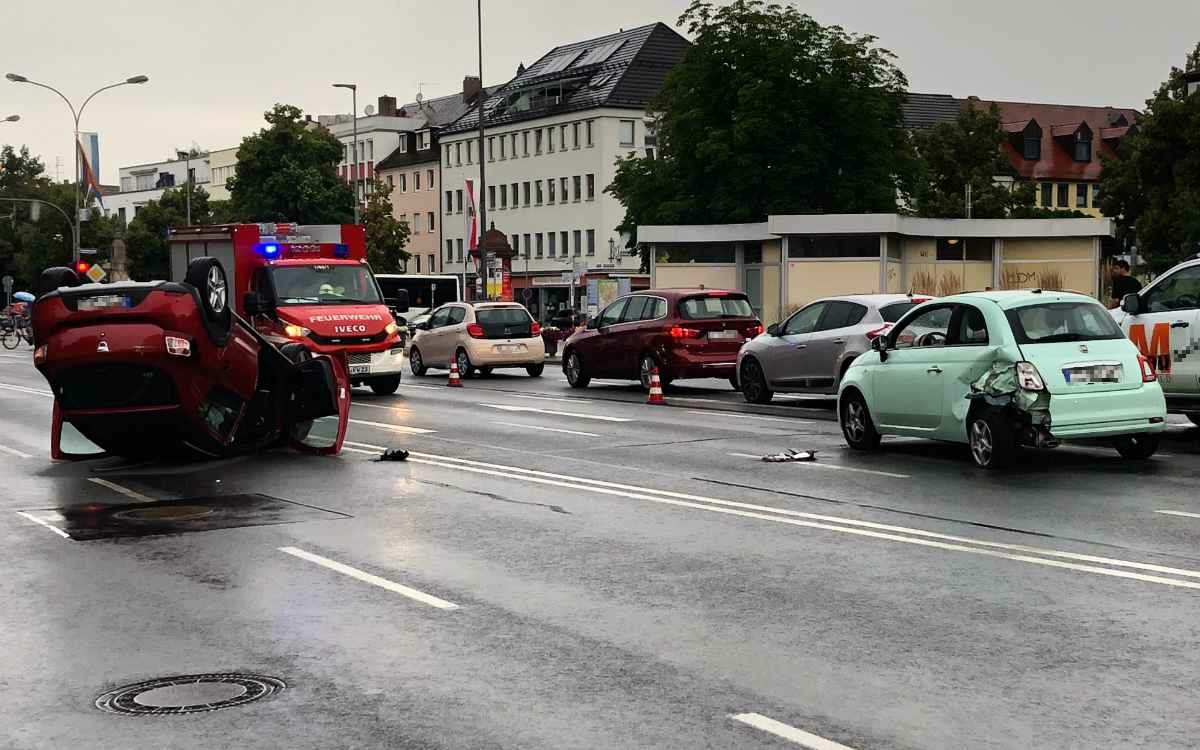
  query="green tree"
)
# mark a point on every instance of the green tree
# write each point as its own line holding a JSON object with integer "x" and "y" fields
{"x": 770, "y": 112}
{"x": 288, "y": 172}
{"x": 386, "y": 235}
{"x": 146, "y": 237}
{"x": 952, "y": 155}
{"x": 1152, "y": 189}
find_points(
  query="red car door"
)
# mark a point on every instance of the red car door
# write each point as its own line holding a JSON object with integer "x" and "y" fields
{"x": 324, "y": 435}
{"x": 629, "y": 336}
{"x": 603, "y": 357}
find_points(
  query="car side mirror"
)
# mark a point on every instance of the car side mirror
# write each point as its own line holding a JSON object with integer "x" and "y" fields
{"x": 423, "y": 326}
{"x": 256, "y": 304}
{"x": 400, "y": 319}
{"x": 773, "y": 329}
{"x": 880, "y": 344}
{"x": 593, "y": 324}
{"x": 1131, "y": 303}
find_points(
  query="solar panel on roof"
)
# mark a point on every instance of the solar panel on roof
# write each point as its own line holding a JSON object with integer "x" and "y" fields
{"x": 601, "y": 53}
{"x": 560, "y": 62}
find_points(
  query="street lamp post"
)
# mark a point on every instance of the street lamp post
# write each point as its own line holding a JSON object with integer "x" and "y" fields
{"x": 485, "y": 266}
{"x": 354, "y": 147}
{"x": 11, "y": 118}
{"x": 55, "y": 206}
{"x": 76, "y": 114}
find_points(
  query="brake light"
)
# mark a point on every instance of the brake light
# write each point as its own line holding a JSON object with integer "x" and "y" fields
{"x": 535, "y": 329}
{"x": 718, "y": 293}
{"x": 754, "y": 330}
{"x": 475, "y": 331}
{"x": 1028, "y": 377}
{"x": 178, "y": 345}
{"x": 872, "y": 335}
{"x": 679, "y": 332}
{"x": 1148, "y": 373}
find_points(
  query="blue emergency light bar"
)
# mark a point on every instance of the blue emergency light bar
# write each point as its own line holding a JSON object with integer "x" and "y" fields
{"x": 341, "y": 250}
{"x": 267, "y": 249}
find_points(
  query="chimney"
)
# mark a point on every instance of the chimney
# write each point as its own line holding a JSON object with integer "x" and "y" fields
{"x": 387, "y": 106}
{"x": 471, "y": 88}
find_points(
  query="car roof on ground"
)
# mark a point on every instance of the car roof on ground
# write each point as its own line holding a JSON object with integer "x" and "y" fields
{"x": 1007, "y": 299}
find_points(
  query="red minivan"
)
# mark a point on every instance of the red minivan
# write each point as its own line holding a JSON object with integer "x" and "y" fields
{"x": 685, "y": 333}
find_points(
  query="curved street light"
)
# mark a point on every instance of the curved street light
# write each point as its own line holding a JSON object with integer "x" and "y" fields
{"x": 11, "y": 118}
{"x": 76, "y": 114}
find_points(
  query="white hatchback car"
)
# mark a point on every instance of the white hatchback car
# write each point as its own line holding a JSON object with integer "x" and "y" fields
{"x": 479, "y": 337}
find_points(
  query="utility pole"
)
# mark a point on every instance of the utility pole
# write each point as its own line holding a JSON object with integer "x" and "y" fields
{"x": 485, "y": 265}
{"x": 353, "y": 152}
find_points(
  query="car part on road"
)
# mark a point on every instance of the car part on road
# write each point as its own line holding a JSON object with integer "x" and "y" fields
{"x": 1137, "y": 447}
{"x": 415, "y": 363}
{"x": 857, "y": 426}
{"x": 187, "y": 694}
{"x": 394, "y": 454}
{"x": 573, "y": 369}
{"x": 385, "y": 386}
{"x": 790, "y": 456}
{"x": 754, "y": 384}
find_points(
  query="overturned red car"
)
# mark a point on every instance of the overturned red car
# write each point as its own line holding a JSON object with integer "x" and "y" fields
{"x": 166, "y": 369}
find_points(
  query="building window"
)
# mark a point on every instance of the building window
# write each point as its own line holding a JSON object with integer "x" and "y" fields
{"x": 537, "y": 141}
{"x": 1064, "y": 195}
{"x": 417, "y": 259}
{"x": 446, "y": 158}
{"x": 1095, "y": 195}
{"x": 525, "y": 193}
{"x": 491, "y": 149}
{"x": 578, "y": 236}
{"x": 458, "y": 201}
{"x": 390, "y": 182}
{"x": 550, "y": 140}
{"x": 423, "y": 140}
{"x": 429, "y": 221}
{"x": 458, "y": 154}
{"x": 589, "y": 133}
{"x": 591, "y": 242}
{"x": 470, "y": 152}
{"x": 566, "y": 247}
{"x": 578, "y": 188}
{"x": 566, "y": 195}
{"x": 539, "y": 243}
{"x": 429, "y": 179}
{"x": 503, "y": 152}
{"x": 1081, "y": 195}
{"x": 528, "y": 245}
{"x": 516, "y": 196}
{"x": 1047, "y": 194}
{"x": 1083, "y": 148}
{"x": 843, "y": 246}
{"x": 432, "y": 263}
{"x": 591, "y": 187}
{"x": 492, "y": 197}
{"x": 121, "y": 214}
{"x": 449, "y": 200}
{"x": 538, "y": 191}
{"x": 525, "y": 143}
{"x": 513, "y": 143}
{"x": 550, "y": 190}
{"x": 625, "y": 133}
{"x": 416, "y": 181}
{"x": 550, "y": 238}
{"x": 1033, "y": 148}
{"x": 953, "y": 248}
{"x": 516, "y": 244}
{"x": 416, "y": 223}
{"x": 575, "y": 134}
{"x": 504, "y": 196}
{"x": 449, "y": 250}
{"x": 458, "y": 247}
{"x": 562, "y": 137}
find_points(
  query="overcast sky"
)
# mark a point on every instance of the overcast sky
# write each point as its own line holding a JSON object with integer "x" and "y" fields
{"x": 216, "y": 65}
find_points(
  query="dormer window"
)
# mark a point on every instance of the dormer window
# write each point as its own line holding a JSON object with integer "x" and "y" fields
{"x": 422, "y": 140}
{"x": 1075, "y": 138}
{"x": 1025, "y": 137}
{"x": 1033, "y": 148}
{"x": 1083, "y": 146}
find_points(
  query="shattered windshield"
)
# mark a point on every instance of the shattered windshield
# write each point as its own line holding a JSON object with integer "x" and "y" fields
{"x": 1056, "y": 322}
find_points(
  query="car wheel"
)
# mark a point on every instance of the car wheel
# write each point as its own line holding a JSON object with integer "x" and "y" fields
{"x": 573, "y": 369}
{"x": 857, "y": 426}
{"x": 991, "y": 440}
{"x": 207, "y": 276}
{"x": 754, "y": 383}
{"x": 384, "y": 386}
{"x": 464, "y": 363}
{"x": 1136, "y": 447}
{"x": 1195, "y": 417}
{"x": 53, "y": 278}
{"x": 646, "y": 366}
{"x": 415, "y": 363}
{"x": 535, "y": 371}
{"x": 10, "y": 339}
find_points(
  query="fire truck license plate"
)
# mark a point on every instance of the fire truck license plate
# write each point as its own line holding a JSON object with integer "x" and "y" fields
{"x": 360, "y": 369}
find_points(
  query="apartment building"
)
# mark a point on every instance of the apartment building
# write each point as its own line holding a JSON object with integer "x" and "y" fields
{"x": 143, "y": 183}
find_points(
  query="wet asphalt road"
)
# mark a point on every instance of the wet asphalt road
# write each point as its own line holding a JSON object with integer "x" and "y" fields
{"x": 562, "y": 569}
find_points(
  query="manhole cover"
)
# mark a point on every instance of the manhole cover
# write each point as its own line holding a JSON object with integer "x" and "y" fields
{"x": 188, "y": 694}
{"x": 164, "y": 513}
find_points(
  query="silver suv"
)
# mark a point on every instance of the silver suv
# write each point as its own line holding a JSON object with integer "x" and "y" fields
{"x": 810, "y": 351}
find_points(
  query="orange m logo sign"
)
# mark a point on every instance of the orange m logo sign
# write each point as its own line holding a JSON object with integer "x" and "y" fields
{"x": 1158, "y": 350}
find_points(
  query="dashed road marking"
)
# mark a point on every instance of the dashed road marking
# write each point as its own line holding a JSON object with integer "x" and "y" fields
{"x": 25, "y": 389}
{"x": 568, "y": 399}
{"x": 788, "y": 732}
{"x": 362, "y": 575}
{"x": 123, "y": 490}
{"x": 393, "y": 427}
{"x": 554, "y": 412}
{"x": 1183, "y": 513}
{"x": 14, "y": 452}
{"x": 819, "y": 465}
{"x": 47, "y": 524}
{"x": 736, "y": 415}
{"x": 547, "y": 429}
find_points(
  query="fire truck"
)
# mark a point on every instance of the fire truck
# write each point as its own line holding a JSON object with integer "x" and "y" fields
{"x": 305, "y": 284}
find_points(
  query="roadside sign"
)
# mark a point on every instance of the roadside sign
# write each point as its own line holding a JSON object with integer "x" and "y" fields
{"x": 88, "y": 251}
{"x": 96, "y": 274}
{"x": 8, "y": 284}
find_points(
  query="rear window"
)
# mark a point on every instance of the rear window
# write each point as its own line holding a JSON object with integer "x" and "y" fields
{"x": 727, "y": 306}
{"x": 1056, "y": 322}
{"x": 502, "y": 315}
{"x": 893, "y": 312}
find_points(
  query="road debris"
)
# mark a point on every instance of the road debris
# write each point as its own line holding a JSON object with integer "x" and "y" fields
{"x": 790, "y": 455}
{"x": 394, "y": 454}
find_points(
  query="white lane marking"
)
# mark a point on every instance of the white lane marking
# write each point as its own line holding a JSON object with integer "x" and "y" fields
{"x": 362, "y": 575}
{"x": 363, "y": 445}
{"x": 123, "y": 490}
{"x": 698, "y": 400}
{"x": 359, "y": 450}
{"x": 568, "y": 399}
{"x": 25, "y": 389}
{"x": 820, "y": 465}
{"x": 1183, "y": 513}
{"x": 14, "y": 452}
{"x": 424, "y": 387}
{"x": 788, "y": 732}
{"x": 735, "y": 415}
{"x": 866, "y": 528}
{"x": 48, "y": 525}
{"x": 547, "y": 429}
{"x": 393, "y": 427}
{"x": 576, "y": 414}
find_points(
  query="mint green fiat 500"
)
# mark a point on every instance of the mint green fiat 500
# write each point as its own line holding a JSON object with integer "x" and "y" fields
{"x": 1000, "y": 370}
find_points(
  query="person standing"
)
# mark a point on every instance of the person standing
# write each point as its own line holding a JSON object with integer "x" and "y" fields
{"x": 1122, "y": 282}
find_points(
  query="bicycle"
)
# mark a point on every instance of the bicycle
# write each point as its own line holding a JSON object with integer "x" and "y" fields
{"x": 14, "y": 329}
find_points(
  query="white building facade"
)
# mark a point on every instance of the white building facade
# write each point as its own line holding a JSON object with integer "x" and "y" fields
{"x": 143, "y": 183}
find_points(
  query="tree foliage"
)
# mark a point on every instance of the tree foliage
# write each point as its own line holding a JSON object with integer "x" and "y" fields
{"x": 1153, "y": 188}
{"x": 386, "y": 235}
{"x": 952, "y": 155}
{"x": 769, "y": 112}
{"x": 146, "y": 238}
{"x": 288, "y": 172}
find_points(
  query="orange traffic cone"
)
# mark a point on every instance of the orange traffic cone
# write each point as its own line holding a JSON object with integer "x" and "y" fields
{"x": 656, "y": 394}
{"x": 454, "y": 381}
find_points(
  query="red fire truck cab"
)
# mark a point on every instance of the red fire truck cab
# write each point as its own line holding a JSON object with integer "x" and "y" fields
{"x": 306, "y": 284}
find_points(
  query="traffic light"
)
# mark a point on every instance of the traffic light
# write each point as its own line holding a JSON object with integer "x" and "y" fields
{"x": 82, "y": 267}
